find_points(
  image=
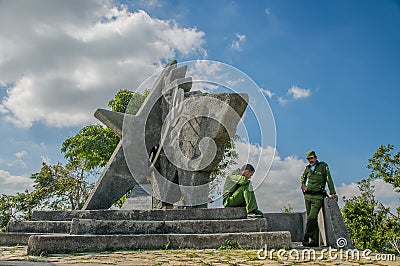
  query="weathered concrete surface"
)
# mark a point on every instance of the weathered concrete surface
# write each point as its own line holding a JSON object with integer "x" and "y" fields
{"x": 139, "y": 199}
{"x": 113, "y": 120}
{"x": 143, "y": 215}
{"x": 12, "y": 239}
{"x": 292, "y": 222}
{"x": 39, "y": 226}
{"x": 39, "y": 244}
{"x": 205, "y": 117}
{"x": 335, "y": 228}
{"x": 104, "y": 227}
{"x": 115, "y": 180}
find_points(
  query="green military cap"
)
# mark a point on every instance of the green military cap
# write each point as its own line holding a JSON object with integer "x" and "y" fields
{"x": 310, "y": 154}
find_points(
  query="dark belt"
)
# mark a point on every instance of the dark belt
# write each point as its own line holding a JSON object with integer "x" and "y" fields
{"x": 321, "y": 192}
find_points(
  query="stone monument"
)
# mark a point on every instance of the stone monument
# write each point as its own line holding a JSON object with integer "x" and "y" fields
{"x": 175, "y": 140}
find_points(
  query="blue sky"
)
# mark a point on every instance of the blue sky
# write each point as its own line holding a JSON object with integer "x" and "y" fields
{"x": 329, "y": 69}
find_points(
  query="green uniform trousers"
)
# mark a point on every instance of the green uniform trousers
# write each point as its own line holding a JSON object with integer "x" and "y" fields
{"x": 242, "y": 197}
{"x": 313, "y": 206}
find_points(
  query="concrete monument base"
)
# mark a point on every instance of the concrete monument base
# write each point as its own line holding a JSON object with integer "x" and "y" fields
{"x": 100, "y": 230}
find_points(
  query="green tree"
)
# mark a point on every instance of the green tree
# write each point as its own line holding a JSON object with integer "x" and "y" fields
{"x": 91, "y": 147}
{"x": 58, "y": 187}
{"x": 5, "y": 211}
{"x": 126, "y": 98}
{"x": 385, "y": 164}
{"x": 367, "y": 219}
{"x": 17, "y": 207}
{"x": 370, "y": 223}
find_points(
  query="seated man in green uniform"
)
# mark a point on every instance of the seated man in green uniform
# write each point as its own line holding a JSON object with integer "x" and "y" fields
{"x": 313, "y": 181}
{"x": 238, "y": 191}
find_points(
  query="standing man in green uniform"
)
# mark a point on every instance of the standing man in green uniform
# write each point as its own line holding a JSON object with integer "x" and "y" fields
{"x": 238, "y": 191}
{"x": 313, "y": 182}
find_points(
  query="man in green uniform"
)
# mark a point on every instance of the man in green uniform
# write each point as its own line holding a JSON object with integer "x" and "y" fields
{"x": 313, "y": 182}
{"x": 238, "y": 191}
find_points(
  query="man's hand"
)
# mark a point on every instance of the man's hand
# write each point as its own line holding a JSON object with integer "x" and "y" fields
{"x": 304, "y": 188}
{"x": 334, "y": 196}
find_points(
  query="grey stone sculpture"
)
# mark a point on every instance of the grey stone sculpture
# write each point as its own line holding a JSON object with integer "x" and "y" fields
{"x": 174, "y": 141}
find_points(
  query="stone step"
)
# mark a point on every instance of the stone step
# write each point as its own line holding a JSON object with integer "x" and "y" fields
{"x": 16, "y": 238}
{"x": 39, "y": 226}
{"x": 50, "y": 244}
{"x": 13, "y": 239}
{"x": 143, "y": 215}
{"x": 112, "y": 227}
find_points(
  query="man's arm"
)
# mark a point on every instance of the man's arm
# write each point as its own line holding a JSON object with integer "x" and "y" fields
{"x": 240, "y": 180}
{"x": 329, "y": 180}
{"x": 303, "y": 180}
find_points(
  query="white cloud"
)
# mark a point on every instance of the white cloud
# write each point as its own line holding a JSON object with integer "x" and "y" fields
{"x": 384, "y": 193}
{"x": 298, "y": 93}
{"x": 267, "y": 11}
{"x": 17, "y": 164}
{"x": 206, "y": 70}
{"x": 213, "y": 73}
{"x": 151, "y": 3}
{"x": 238, "y": 43}
{"x": 267, "y": 92}
{"x": 21, "y": 154}
{"x": 10, "y": 184}
{"x": 282, "y": 101}
{"x": 66, "y": 60}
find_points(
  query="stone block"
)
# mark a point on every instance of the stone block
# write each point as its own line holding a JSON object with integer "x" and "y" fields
{"x": 39, "y": 226}
{"x": 143, "y": 215}
{"x": 104, "y": 227}
{"x": 48, "y": 244}
{"x": 336, "y": 233}
{"x": 293, "y": 222}
{"x": 13, "y": 239}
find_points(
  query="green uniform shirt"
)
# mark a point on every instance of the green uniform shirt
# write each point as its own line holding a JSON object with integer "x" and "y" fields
{"x": 233, "y": 181}
{"x": 317, "y": 179}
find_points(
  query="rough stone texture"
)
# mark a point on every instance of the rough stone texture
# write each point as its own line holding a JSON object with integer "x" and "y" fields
{"x": 39, "y": 226}
{"x": 293, "y": 222}
{"x": 334, "y": 225}
{"x": 220, "y": 114}
{"x": 139, "y": 199}
{"x": 113, "y": 120}
{"x": 39, "y": 244}
{"x": 12, "y": 239}
{"x": 104, "y": 227}
{"x": 143, "y": 215}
